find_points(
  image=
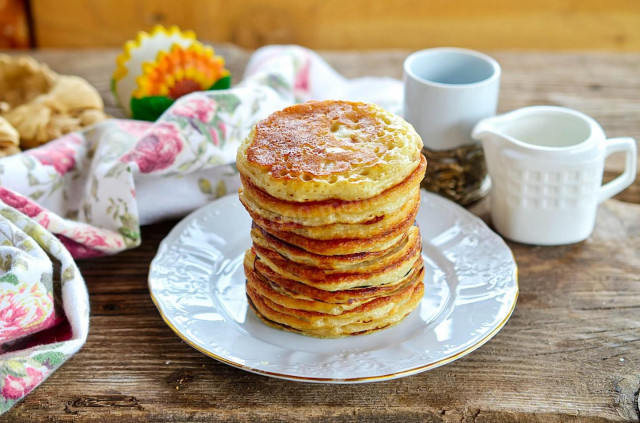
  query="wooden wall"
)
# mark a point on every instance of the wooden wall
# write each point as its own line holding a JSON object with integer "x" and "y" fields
{"x": 14, "y": 28}
{"x": 350, "y": 24}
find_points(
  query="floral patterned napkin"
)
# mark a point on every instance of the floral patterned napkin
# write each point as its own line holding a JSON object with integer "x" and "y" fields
{"x": 93, "y": 189}
{"x": 42, "y": 294}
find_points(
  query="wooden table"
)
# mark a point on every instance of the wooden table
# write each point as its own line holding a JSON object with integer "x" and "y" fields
{"x": 571, "y": 351}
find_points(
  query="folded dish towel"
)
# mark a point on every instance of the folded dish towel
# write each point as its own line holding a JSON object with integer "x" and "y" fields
{"x": 93, "y": 189}
{"x": 44, "y": 307}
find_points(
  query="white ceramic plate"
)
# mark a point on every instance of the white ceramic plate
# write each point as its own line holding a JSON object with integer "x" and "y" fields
{"x": 197, "y": 282}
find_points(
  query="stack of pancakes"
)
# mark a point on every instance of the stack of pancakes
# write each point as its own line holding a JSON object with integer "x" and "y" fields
{"x": 333, "y": 191}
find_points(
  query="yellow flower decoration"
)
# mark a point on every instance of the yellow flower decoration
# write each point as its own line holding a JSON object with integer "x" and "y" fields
{"x": 158, "y": 67}
{"x": 180, "y": 71}
{"x": 148, "y": 43}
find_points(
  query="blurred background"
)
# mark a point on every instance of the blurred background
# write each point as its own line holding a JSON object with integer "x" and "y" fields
{"x": 610, "y": 25}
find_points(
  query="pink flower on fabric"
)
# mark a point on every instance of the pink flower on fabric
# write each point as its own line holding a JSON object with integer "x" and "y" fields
{"x": 61, "y": 153}
{"x": 15, "y": 387}
{"x": 77, "y": 250}
{"x": 157, "y": 150}
{"x": 44, "y": 220}
{"x": 24, "y": 310}
{"x": 12, "y": 317}
{"x": 301, "y": 83}
{"x": 90, "y": 238}
{"x": 20, "y": 203}
{"x": 223, "y": 130}
{"x": 133, "y": 127}
{"x": 199, "y": 108}
{"x": 214, "y": 136}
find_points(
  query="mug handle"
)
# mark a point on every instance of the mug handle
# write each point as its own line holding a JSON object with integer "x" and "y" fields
{"x": 628, "y": 146}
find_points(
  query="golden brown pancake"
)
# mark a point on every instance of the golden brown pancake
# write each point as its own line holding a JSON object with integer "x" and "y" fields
{"x": 280, "y": 296}
{"x": 403, "y": 253}
{"x": 365, "y": 311}
{"x": 356, "y": 322}
{"x": 340, "y": 246}
{"x": 341, "y": 281}
{"x": 329, "y": 150}
{"x": 333, "y": 189}
{"x": 257, "y": 268}
{"x": 371, "y": 228}
{"x": 318, "y": 213}
{"x": 295, "y": 254}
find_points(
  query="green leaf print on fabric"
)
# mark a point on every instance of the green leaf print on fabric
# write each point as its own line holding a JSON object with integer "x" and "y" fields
{"x": 9, "y": 278}
{"x": 227, "y": 102}
{"x": 51, "y": 359}
{"x": 68, "y": 274}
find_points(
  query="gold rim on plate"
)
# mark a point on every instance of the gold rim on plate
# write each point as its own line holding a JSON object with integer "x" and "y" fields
{"x": 388, "y": 376}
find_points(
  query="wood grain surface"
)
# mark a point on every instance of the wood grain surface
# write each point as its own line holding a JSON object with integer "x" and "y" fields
{"x": 353, "y": 24}
{"x": 570, "y": 352}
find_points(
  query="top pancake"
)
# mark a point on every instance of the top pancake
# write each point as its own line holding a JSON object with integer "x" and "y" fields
{"x": 329, "y": 150}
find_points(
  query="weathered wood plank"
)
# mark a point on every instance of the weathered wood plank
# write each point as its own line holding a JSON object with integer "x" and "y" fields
{"x": 571, "y": 351}
{"x": 356, "y": 24}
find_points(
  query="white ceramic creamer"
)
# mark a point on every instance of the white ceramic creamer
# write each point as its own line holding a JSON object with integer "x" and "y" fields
{"x": 546, "y": 164}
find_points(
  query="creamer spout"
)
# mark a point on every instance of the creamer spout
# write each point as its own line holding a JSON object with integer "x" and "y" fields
{"x": 486, "y": 130}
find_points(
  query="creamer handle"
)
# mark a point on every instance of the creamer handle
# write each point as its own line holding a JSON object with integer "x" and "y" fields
{"x": 628, "y": 146}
